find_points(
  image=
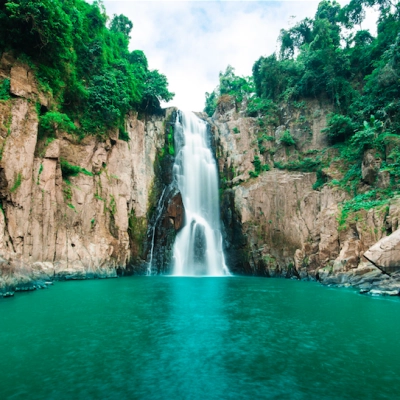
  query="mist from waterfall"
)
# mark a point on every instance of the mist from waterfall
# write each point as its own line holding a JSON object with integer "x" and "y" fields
{"x": 198, "y": 246}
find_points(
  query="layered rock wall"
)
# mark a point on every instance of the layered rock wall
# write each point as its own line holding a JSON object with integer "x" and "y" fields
{"x": 71, "y": 227}
{"x": 276, "y": 224}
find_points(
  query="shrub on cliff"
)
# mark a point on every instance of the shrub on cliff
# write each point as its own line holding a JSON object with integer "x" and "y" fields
{"x": 50, "y": 122}
{"x": 287, "y": 139}
{"x": 231, "y": 88}
{"x": 340, "y": 127}
{"x": 69, "y": 170}
{"x": 4, "y": 89}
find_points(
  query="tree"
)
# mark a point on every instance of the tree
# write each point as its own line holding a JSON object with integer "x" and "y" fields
{"x": 121, "y": 24}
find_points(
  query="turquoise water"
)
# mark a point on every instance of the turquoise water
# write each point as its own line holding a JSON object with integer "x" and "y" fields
{"x": 198, "y": 338}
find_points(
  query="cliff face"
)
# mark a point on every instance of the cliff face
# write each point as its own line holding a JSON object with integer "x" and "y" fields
{"x": 88, "y": 225}
{"x": 276, "y": 224}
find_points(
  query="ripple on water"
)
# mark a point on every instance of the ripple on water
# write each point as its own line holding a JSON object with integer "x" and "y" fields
{"x": 185, "y": 338}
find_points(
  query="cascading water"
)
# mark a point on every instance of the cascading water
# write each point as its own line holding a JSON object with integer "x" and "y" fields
{"x": 198, "y": 246}
{"x": 159, "y": 212}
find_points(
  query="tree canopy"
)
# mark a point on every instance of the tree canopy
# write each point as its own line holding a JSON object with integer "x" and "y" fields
{"x": 330, "y": 58}
{"x": 321, "y": 58}
{"x": 82, "y": 59}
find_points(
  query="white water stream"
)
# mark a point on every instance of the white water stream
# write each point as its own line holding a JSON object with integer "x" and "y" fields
{"x": 159, "y": 212}
{"x": 198, "y": 246}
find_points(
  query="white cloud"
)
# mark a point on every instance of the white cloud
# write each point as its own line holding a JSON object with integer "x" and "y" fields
{"x": 191, "y": 41}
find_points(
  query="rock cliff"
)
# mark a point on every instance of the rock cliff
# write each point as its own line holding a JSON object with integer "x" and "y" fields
{"x": 277, "y": 224}
{"x": 58, "y": 226}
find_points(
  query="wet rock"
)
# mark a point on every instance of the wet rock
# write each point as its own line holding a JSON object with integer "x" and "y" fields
{"x": 175, "y": 211}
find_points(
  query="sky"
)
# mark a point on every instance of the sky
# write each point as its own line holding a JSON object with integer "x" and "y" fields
{"x": 192, "y": 41}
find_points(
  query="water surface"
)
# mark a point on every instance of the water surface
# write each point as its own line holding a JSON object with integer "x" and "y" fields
{"x": 198, "y": 338}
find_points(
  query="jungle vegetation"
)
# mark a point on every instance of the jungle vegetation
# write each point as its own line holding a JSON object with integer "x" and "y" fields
{"x": 82, "y": 61}
{"x": 331, "y": 59}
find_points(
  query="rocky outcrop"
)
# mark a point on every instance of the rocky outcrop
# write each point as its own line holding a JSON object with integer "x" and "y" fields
{"x": 77, "y": 226}
{"x": 164, "y": 230}
{"x": 370, "y": 167}
{"x": 276, "y": 224}
{"x": 385, "y": 254}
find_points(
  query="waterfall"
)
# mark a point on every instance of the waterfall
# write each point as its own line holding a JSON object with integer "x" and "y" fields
{"x": 159, "y": 211}
{"x": 198, "y": 246}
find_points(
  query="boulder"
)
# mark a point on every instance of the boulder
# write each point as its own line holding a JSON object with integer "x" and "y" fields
{"x": 385, "y": 254}
{"x": 370, "y": 167}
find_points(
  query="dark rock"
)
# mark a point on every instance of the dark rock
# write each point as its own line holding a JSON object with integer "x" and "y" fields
{"x": 175, "y": 211}
{"x": 370, "y": 167}
{"x": 236, "y": 247}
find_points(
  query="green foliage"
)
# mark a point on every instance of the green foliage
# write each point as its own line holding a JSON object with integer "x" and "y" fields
{"x": 230, "y": 85}
{"x": 260, "y": 141}
{"x": 50, "y": 122}
{"x": 266, "y": 167}
{"x": 154, "y": 90}
{"x": 233, "y": 85}
{"x": 340, "y": 127}
{"x": 258, "y": 167}
{"x": 305, "y": 165}
{"x": 5, "y": 89}
{"x": 253, "y": 174}
{"x": 39, "y": 173}
{"x": 123, "y": 135}
{"x": 170, "y": 141}
{"x": 17, "y": 183}
{"x": 366, "y": 137}
{"x": 235, "y": 130}
{"x": 112, "y": 206}
{"x": 257, "y": 164}
{"x": 67, "y": 191}
{"x": 108, "y": 99}
{"x": 211, "y": 103}
{"x": 69, "y": 170}
{"x": 365, "y": 201}
{"x": 257, "y": 106}
{"x": 321, "y": 180}
{"x": 121, "y": 24}
{"x": 330, "y": 59}
{"x": 287, "y": 139}
{"x": 97, "y": 197}
{"x": 313, "y": 62}
{"x": 84, "y": 65}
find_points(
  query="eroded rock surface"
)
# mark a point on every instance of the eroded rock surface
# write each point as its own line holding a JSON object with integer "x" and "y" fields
{"x": 74, "y": 227}
{"x": 276, "y": 224}
{"x": 386, "y": 252}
